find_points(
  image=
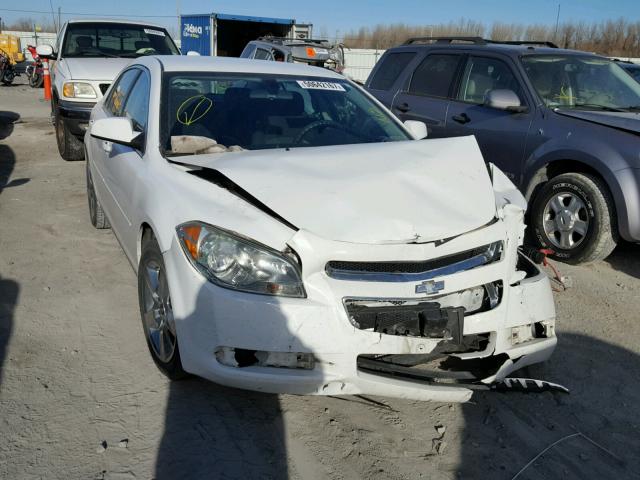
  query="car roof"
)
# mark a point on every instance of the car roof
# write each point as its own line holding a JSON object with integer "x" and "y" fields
{"x": 187, "y": 63}
{"x": 518, "y": 49}
{"x": 115, "y": 20}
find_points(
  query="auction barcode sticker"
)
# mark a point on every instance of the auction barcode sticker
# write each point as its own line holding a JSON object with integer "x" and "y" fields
{"x": 315, "y": 85}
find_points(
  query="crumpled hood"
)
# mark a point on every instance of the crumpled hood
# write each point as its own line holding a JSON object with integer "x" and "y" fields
{"x": 395, "y": 192}
{"x": 628, "y": 121}
{"x": 103, "y": 68}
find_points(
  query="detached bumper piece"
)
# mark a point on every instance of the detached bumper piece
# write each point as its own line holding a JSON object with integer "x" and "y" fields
{"x": 425, "y": 319}
{"x": 434, "y": 369}
{"x": 442, "y": 369}
{"x": 527, "y": 385}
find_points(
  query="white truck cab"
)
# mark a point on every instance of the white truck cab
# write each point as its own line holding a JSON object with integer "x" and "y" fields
{"x": 88, "y": 55}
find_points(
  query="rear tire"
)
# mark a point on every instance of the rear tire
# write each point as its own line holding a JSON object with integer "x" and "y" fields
{"x": 156, "y": 312}
{"x": 8, "y": 77}
{"x": 69, "y": 146}
{"x": 573, "y": 214}
{"x": 98, "y": 218}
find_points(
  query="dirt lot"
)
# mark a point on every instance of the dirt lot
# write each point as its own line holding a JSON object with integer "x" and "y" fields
{"x": 80, "y": 397}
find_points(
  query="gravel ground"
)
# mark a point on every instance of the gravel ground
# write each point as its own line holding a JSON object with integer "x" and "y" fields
{"x": 80, "y": 397}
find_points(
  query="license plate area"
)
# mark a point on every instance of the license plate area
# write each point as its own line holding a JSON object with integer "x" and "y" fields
{"x": 423, "y": 319}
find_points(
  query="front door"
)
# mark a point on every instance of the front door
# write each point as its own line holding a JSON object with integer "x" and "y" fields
{"x": 501, "y": 134}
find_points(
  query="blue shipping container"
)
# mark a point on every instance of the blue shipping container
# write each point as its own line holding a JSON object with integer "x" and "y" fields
{"x": 196, "y": 34}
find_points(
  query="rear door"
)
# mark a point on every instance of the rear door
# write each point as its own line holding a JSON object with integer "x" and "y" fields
{"x": 425, "y": 96}
{"x": 501, "y": 134}
{"x": 389, "y": 74}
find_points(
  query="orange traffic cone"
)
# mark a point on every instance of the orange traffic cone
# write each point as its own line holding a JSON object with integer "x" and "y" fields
{"x": 47, "y": 79}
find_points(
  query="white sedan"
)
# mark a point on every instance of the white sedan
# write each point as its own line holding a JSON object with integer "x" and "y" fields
{"x": 291, "y": 235}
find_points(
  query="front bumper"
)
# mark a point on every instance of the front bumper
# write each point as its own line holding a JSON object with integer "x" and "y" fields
{"x": 76, "y": 115}
{"x": 210, "y": 318}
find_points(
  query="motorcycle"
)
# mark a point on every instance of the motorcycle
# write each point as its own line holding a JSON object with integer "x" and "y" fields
{"x": 34, "y": 71}
{"x": 7, "y": 68}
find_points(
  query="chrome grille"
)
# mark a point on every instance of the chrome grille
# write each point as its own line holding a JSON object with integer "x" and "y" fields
{"x": 413, "y": 271}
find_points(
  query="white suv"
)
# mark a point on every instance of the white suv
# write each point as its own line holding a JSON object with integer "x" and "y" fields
{"x": 88, "y": 55}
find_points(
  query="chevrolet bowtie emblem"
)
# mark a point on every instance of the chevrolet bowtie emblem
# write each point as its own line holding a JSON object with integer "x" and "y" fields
{"x": 430, "y": 286}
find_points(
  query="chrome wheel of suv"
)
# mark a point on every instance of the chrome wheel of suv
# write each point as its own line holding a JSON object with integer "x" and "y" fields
{"x": 566, "y": 220}
{"x": 574, "y": 216}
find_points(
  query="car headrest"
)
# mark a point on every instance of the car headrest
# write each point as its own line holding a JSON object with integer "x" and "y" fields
{"x": 84, "y": 41}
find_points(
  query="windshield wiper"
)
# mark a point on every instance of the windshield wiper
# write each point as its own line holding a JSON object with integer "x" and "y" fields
{"x": 600, "y": 107}
{"x": 633, "y": 108}
{"x": 96, "y": 53}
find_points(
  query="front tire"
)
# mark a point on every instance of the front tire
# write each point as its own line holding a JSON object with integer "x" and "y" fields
{"x": 156, "y": 312}
{"x": 36, "y": 80}
{"x": 69, "y": 146}
{"x": 573, "y": 214}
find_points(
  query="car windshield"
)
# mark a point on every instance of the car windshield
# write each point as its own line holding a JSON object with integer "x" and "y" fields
{"x": 116, "y": 40}
{"x": 582, "y": 82}
{"x": 260, "y": 111}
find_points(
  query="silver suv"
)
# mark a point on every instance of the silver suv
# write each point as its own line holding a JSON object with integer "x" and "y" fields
{"x": 319, "y": 53}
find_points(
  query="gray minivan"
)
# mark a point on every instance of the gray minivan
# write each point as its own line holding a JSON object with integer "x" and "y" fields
{"x": 564, "y": 125}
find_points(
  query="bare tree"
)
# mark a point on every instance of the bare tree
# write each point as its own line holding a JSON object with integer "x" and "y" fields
{"x": 610, "y": 37}
{"x": 27, "y": 24}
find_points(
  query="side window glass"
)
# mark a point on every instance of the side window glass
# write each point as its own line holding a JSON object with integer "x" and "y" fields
{"x": 434, "y": 75}
{"x": 114, "y": 104}
{"x": 137, "y": 106}
{"x": 481, "y": 75}
{"x": 390, "y": 69}
{"x": 278, "y": 55}
{"x": 262, "y": 54}
{"x": 248, "y": 51}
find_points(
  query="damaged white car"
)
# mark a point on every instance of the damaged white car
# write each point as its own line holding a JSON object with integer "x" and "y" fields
{"x": 291, "y": 235}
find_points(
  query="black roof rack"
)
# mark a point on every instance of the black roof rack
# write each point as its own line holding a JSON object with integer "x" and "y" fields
{"x": 476, "y": 41}
{"x": 541, "y": 43}
{"x": 285, "y": 40}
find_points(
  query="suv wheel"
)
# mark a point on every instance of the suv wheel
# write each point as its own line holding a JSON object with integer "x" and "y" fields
{"x": 573, "y": 215}
{"x": 69, "y": 146}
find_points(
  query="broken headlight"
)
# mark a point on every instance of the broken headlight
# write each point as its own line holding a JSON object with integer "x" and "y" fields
{"x": 239, "y": 263}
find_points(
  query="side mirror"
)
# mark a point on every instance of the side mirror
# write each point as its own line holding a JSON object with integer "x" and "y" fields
{"x": 192, "y": 53}
{"x": 45, "y": 51}
{"x": 117, "y": 130}
{"x": 418, "y": 130}
{"x": 504, "y": 100}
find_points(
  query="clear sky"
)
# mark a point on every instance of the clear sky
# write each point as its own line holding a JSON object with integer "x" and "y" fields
{"x": 344, "y": 15}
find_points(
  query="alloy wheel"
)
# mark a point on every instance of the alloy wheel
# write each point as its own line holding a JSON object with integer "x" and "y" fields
{"x": 157, "y": 313}
{"x": 566, "y": 220}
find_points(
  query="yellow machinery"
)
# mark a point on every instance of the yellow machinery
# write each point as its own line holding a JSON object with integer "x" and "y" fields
{"x": 10, "y": 44}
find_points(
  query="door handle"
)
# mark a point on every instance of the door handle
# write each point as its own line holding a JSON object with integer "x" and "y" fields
{"x": 403, "y": 107}
{"x": 462, "y": 118}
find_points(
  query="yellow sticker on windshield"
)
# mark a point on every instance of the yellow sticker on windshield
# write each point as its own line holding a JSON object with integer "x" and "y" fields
{"x": 193, "y": 109}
